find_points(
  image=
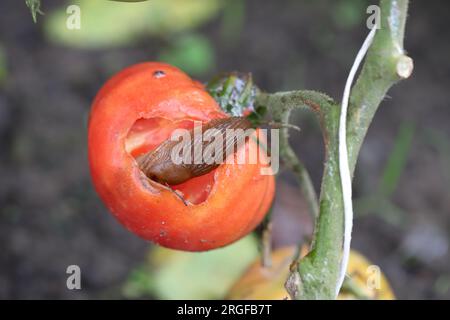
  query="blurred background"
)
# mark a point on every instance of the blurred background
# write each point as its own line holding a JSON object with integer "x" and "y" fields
{"x": 50, "y": 216}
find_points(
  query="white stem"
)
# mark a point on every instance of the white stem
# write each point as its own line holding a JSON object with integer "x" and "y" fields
{"x": 344, "y": 170}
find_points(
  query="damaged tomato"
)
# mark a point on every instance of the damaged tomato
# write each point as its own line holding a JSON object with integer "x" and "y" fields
{"x": 136, "y": 111}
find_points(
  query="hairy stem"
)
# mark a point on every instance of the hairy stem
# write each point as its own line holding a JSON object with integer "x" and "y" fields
{"x": 291, "y": 161}
{"x": 385, "y": 64}
{"x": 281, "y": 104}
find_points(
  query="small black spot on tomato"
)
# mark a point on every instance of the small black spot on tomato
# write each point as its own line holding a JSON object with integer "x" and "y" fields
{"x": 159, "y": 74}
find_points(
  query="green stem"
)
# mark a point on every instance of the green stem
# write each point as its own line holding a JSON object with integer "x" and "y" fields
{"x": 384, "y": 66}
{"x": 327, "y": 241}
{"x": 291, "y": 161}
{"x": 281, "y": 104}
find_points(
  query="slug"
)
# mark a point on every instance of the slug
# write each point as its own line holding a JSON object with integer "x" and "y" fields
{"x": 158, "y": 166}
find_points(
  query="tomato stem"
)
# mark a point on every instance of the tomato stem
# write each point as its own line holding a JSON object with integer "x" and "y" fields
{"x": 319, "y": 271}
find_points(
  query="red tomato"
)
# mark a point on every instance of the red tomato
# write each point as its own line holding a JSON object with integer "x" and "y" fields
{"x": 133, "y": 113}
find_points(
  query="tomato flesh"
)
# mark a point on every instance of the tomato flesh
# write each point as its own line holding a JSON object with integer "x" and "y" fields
{"x": 147, "y": 134}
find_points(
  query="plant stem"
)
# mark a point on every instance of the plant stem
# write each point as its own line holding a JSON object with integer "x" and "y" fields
{"x": 292, "y": 161}
{"x": 384, "y": 66}
{"x": 281, "y": 104}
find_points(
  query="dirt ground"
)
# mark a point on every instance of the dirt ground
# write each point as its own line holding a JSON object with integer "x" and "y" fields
{"x": 50, "y": 216}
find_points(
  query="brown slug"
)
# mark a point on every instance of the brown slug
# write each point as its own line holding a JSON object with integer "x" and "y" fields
{"x": 159, "y": 166}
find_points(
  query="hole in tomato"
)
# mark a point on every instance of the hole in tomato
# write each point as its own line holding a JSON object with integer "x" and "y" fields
{"x": 147, "y": 134}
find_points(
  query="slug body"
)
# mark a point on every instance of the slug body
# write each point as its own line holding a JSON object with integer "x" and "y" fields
{"x": 159, "y": 166}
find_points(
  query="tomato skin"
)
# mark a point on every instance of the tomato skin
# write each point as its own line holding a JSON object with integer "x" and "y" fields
{"x": 240, "y": 196}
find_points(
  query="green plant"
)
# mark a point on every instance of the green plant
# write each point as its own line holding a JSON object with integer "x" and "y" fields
{"x": 319, "y": 274}
{"x": 35, "y": 8}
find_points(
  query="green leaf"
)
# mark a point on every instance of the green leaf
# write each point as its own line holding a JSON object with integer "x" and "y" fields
{"x": 171, "y": 274}
{"x": 112, "y": 24}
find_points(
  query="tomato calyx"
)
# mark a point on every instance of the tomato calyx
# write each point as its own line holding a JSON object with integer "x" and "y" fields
{"x": 234, "y": 92}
